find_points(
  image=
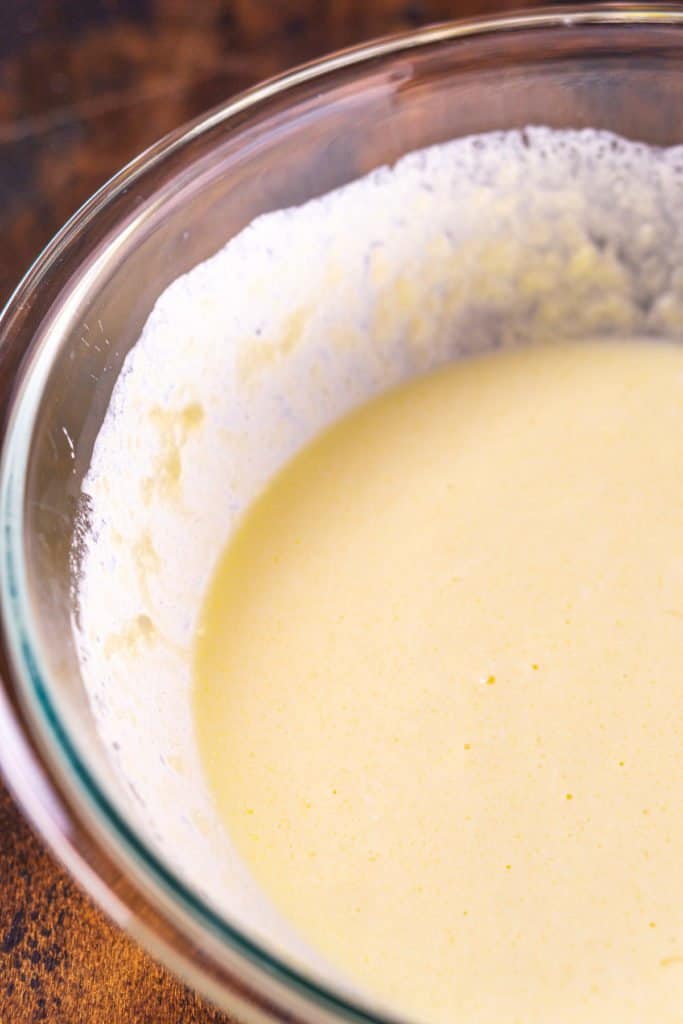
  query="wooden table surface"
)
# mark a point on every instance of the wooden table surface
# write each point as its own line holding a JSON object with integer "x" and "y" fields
{"x": 84, "y": 86}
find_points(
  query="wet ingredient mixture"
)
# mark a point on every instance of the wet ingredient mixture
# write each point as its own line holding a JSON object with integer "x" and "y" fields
{"x": 438, "y": 689}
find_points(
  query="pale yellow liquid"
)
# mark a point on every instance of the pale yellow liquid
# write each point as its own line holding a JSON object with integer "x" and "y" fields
{"x": 439, "y": 690}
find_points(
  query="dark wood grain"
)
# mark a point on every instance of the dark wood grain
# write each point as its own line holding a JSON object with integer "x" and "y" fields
{"x": 84, "y": 86}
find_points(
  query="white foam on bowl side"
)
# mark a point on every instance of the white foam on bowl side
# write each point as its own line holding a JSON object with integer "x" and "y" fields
{"x": 489, "y": 240}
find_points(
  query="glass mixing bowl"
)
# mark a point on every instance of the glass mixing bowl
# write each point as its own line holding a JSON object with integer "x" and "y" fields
{"x": 618, "y": 68}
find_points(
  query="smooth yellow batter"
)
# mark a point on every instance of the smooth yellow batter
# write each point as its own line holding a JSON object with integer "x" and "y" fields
{"x": 439, "y": 689}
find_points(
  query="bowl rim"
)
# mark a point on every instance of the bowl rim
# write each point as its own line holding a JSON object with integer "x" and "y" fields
{"x": 38, "y": 758}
